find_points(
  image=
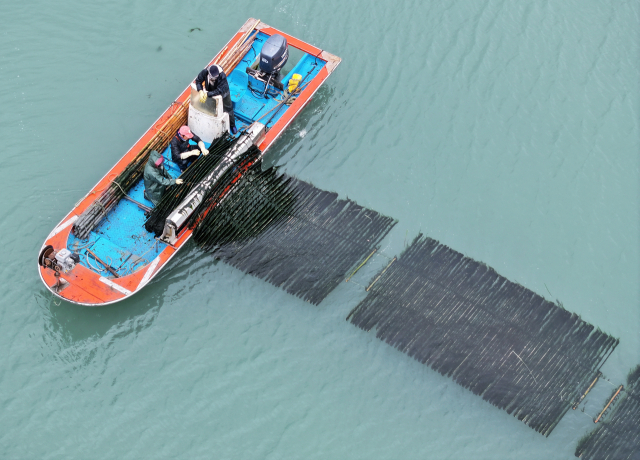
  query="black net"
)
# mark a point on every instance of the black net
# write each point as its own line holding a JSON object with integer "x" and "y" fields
{"x": 496, "y": 338}
{"x": 288, "y": 232}
{"x": 174, "y": 194}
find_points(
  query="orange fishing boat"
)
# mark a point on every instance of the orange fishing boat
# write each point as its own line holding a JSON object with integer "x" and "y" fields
{"x": 101, "y": 252}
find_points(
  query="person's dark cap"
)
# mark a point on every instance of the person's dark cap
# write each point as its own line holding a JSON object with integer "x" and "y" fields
{"x": 213, "y": 71}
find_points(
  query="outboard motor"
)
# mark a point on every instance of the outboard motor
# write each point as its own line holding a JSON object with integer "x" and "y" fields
{"x": 58, "y": 261}
{"x": 273, "y": 57}
{"x": 274, "y": 54}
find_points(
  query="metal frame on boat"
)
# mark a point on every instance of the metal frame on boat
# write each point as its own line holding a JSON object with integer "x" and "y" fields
{"x": 79, "y": 283}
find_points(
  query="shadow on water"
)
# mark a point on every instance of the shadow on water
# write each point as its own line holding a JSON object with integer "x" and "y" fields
{"x": 295, "y": 132}
{"x": 74, "y": 323}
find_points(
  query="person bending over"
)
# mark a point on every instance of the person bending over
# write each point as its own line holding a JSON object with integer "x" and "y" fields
{"x": 212, "y": 82}
{"x": 156, "y": 178}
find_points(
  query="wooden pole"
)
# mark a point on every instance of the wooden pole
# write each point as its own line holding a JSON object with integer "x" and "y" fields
{"x": 108, "y": 267}
{"x": 241, "y": 52}
{"x": 620, "y": 388}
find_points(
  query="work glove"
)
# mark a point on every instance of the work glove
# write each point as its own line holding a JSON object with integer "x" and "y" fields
{"x": 190, "y": 153}
{"x": 179, "y": 181}
{"x": 203, "y": 149}
{"x": 203, "y": 96}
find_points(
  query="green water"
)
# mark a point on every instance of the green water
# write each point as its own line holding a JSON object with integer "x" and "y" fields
{"x": 507, "y": 130}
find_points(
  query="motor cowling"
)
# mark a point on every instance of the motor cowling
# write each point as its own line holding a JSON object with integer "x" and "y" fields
{"x": 274, "y": 54}
{"x": 58, "y": 261}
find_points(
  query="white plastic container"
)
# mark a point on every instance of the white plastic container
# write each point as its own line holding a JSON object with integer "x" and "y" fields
{"x": 208, "y": 121}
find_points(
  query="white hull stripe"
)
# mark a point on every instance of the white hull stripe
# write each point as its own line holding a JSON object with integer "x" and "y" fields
{"x": 147, "y": 276}
{"x": 61, "y": 227}
{"x": 115, "y": 286}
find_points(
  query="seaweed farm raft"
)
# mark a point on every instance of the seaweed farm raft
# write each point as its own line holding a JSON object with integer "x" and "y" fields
{"x": 290, "y": 233}
{"x": 503, "y": 342}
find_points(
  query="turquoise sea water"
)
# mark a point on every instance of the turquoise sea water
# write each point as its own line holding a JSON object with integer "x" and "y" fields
{"x": 506, "y": 130}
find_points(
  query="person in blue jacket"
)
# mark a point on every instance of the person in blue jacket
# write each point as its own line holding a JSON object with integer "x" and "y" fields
{"x": 212, "y": 82}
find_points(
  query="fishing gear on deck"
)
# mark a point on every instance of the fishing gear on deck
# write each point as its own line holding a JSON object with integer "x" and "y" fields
{"x": 104, "y": 264}
{"x": 191, "y": 177}
{"x": 289, "y": 97}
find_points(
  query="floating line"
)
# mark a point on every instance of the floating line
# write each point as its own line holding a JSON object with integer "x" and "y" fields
{"x": 534, "y": 377}
{"x": 361, "y": 265}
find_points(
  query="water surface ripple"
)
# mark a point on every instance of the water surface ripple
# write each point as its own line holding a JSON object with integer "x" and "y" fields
{"x": 506, "y": 130}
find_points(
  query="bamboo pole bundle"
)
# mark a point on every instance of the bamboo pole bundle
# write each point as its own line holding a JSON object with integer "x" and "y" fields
{"x": 119, "y": 186}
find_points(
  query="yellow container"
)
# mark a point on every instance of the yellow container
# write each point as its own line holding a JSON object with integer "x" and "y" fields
{"x": 294, "y": 81}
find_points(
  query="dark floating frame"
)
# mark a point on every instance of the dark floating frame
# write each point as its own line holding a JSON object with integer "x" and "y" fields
{"x": 503, "y": 342}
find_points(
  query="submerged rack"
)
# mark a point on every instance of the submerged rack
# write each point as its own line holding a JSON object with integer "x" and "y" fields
{"x": 502, "y": 341}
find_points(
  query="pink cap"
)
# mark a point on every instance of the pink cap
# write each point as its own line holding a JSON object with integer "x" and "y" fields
{"x": 185, "y": 132}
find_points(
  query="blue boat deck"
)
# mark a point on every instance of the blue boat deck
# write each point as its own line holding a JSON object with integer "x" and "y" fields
{"x": 249, "y": 105}
{"x": 120, "y": 240}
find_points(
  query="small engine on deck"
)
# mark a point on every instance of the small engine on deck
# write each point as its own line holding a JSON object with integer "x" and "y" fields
{"x": 273, "y": 57}
{"x": 58, "y": 261}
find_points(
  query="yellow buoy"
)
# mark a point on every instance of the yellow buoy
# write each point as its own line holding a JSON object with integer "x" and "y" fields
{"x": 294, "y": 81}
